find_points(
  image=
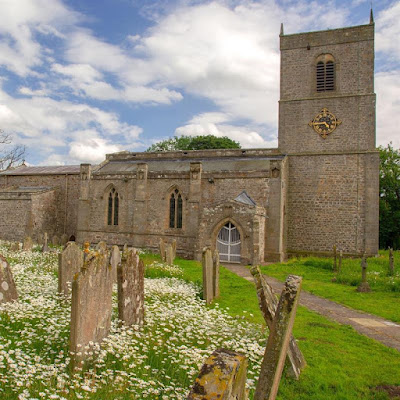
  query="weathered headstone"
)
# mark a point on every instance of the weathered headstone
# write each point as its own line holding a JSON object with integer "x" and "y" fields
{"x": 278, "y": 341}
{"x": 334, "y": 258}
{"x": 169, "y": 254}
{"x": 101, "y": 246}
{"x": 174, "y": 248}
{"x": 208, "y": 287}
{"x": 70, "y": 262}
{"x": 39, "y": 239}
{"x": 115, "y": 260}
{"x": 55, "y": 241}
{"x": 268, "y": 303}
{"x": 125, "y": 249}
{"x": 15, "y": 246}
{"x": 364, "y": 285}
{"x": 131, "y": 289}
{"x": 28, "y": 244}
{"x": 391, "y": 262}
{"x": 91, "y": 305}
{"x": 340, "y": 261}
{"x": 162, "y": 250}
{"x": 216, "y": 274}
{"x": 222, "y": 376}
{"x": 8, "y": 290}
{"x": 45, "y": 247}
{"x": 64, "y": 239}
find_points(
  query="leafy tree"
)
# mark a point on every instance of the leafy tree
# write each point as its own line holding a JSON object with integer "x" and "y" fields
{"x": 10, "y": 156}
{"x": 389, "y": 201}
{"x": 194, "y": 143}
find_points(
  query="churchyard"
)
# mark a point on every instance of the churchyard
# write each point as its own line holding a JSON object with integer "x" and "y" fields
{"x": 160, "y": 357}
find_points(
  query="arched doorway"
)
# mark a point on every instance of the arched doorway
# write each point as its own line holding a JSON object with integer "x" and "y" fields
{"x": 228, "y": 243}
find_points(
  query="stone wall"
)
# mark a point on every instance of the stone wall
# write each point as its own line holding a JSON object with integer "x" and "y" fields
{"x": 66, "y": 192}
{"x": 333, "y": 199}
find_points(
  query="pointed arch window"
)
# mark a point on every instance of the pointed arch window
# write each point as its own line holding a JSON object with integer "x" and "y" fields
{"x": 175, "y": 210}
{"x": 325, "y": 73}
{"x": 113, "y": 207}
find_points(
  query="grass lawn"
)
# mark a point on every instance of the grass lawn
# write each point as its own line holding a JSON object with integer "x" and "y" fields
{"x": 317, "y": 273}
{"x": 342, "y": 364}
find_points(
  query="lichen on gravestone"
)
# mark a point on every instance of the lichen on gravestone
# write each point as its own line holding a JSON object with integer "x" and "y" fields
{"x": 8, "y": 290}
{"x": 70, "y": 262}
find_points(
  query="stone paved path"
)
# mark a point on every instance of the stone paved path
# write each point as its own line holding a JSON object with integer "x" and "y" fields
{"x": 377, "y": 328}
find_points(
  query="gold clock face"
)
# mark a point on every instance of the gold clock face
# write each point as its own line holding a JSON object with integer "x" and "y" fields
{"x": 324, "y": 123}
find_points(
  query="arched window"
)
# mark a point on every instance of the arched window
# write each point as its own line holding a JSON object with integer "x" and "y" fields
{"x": 175, "y": 209}
{"x": 325, "y": 73}
{"x": 113, "y": 208}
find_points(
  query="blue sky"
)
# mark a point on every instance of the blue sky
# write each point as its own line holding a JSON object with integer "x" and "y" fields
{"x": 82, "y": 78}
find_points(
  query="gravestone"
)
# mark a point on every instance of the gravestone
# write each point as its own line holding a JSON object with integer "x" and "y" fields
{"x": 268, "y": 303}
{"x": 216, "y": 274}
{"x": 131, "y": 289}
{"x": 208, "y": 287}
{"x": 39, "y": 239}
{"x": 45, "y": 247}
{"x": 15, "y": 246}
{"x": 91, "y": 305}
{"x": 64, "y": 239}
{"x": 391, "y": 262}
{"x": 125, "y": 249}
{"x": 169, "y": 254}
{"x": 174, "y": 248}
{"x": 223, "y": 376}
{"x": 28, "y": 244}
{"x": 101, "y": 246}
{"x": 334, "y": 258}
{"x": 162, "y": 250}
{"x": 8, "y": 290}
{"x": 55, "y": 241}
{"x": 115, "y": 260}
{"x": 70, "y": 262}
{"x": 364, "y": 285}
{"x": 278, "y": 341}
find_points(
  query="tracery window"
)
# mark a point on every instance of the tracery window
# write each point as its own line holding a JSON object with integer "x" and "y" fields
{"x": 113, "y": 207}
{"x": 175, "y": 209}
{"x": 325, "y": 73}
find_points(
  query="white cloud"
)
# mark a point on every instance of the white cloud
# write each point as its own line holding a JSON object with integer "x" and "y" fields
{"x": 20, "y": 21}
{"x": 388, "y": 105}
{"x": 388, "y": 31}
{"x": 217, "y": 124}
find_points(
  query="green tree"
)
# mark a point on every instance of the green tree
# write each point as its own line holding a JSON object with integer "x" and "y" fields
{"x": 389, "y": 200}
{"x": 194, "y": 143}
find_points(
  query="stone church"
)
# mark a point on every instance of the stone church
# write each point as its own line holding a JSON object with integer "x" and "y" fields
{"x": 320, "y": 187}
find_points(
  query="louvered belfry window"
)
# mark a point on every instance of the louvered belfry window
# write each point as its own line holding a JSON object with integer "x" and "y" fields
{"x": 175, "y": 210}
{"x": 325, "y": 73}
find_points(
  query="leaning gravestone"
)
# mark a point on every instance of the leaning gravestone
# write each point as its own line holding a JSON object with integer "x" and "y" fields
{"x": 115, "y": 260}
{"x": 8, "y": 291}
{"x": 55, "y": 241}
{"x": 28, "y": 244}
{"x": 208, "y": 287}
{"x": 91, "y": 305}
{"x": 131, "y": 289}
{"x": 169, "y": 254}
{"x": 70, "y": 262}
{"x": 216, "y": 274}
{"x": 278, "y": 340}
{"x": 162, "y": 250}
{"x": 45, "y": 246}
